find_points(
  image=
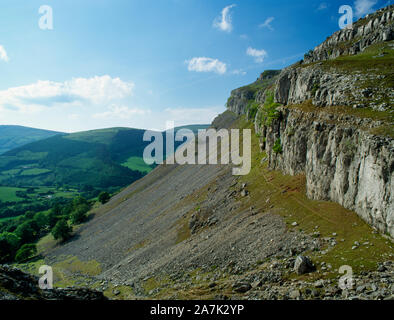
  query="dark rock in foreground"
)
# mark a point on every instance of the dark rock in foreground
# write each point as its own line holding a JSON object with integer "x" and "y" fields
{"x": 15, "y": 285}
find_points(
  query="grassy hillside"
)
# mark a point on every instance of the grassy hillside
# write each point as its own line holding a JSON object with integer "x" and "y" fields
{"x": 106, "y": 159}
{"x": 12, "y": 137}
{"x": 90, "y": 158}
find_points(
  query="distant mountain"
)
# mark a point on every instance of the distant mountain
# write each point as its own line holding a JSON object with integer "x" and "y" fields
{"x": 92, "y": 158}
{"x": 106, "y": 159}
{"x": 12, "y": 137}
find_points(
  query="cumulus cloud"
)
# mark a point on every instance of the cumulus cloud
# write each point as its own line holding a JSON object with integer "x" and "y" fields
{"x": 120, "y": 112}
{"x": 364, "y": 7}
{"x": 267, "y": 23}
{"x": 322, "y": 6}
{"x": 203, "y": 64}
{"x": 3, "y": 54}
{"x": 239, "y": 72}
{"x": 258, "y": 55}
{"x": 96, "y": 90}
{"x": 224, "y": 21}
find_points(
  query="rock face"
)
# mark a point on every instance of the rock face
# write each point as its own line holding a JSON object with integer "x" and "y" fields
{"x": 341, "y": 163}
{"x": 240, "y": 97}
{"x": 15, "y": 285}
{"x": 372, "y": 29}
{"x": 330, "y": 87}
{"x": 341, "y": 157}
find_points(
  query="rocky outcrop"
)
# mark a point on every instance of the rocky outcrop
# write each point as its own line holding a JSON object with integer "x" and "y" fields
{"x": 341, "y": 161}
{"x": 15, "y": 285}
{"x": 331, "y": 87}
{"x": 372, "y": 29}
{"x": 240, "y": 97}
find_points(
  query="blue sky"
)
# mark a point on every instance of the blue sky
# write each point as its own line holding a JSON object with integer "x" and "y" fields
{"x": 140, "y": 63}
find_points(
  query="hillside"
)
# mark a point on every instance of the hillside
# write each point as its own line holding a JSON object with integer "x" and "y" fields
{"x": 12, "y": 137}
{"x": 107, "y": 158}
{"x": 87, "y": 158}
{"x": 319, "y": 195}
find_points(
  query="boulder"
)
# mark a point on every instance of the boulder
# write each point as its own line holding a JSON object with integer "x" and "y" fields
{"x": 304, "y": 265}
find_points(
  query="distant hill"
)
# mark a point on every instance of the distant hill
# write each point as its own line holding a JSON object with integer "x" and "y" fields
{"x": 105, "y": 159}
{"x": 90, "y": 158}
{"x": 12, "y": 137}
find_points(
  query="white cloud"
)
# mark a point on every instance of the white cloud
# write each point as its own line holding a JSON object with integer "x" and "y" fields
{"x": 203, "y": 64}
{"x": 239, "y": 72}
{"x": 322, "y": 6}
{"x": 267, "y": 23}
{"x": 3, "y": 54}
{"x": 78, "y": 91}
{"x": 364, "y": 6}
{"x": 259, "y": 55}
{"x": 120, "y": 112}
{"x": 224, "y": 21}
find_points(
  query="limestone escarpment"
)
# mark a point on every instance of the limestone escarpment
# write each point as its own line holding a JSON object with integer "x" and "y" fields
{"x": 329, "y": 125}
{"x": 240, "y": 98}
{"x": 341, "y": 162}
{"x": 336, "y": 85}
{"x": 374, "y": 28}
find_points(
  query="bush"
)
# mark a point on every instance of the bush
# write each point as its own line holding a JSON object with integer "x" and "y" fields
{"x": 277, "y": 146}
{"x": 27, "y": 231}
{"x": 269, "y": 112}
{"x": 79, "y": 214}
{"x": 104, "y": 197}
{"x": 26, "y": 252}
{"x": 62, "y": 230}
{"x": 79, "y": 200}
{"x": 9, "y": 243}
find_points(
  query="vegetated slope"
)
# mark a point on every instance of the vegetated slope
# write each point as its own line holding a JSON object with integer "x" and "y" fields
{"x": 86, "y": 158}
{"x": 106, "y": 158}
{"x": 12, "y": 137}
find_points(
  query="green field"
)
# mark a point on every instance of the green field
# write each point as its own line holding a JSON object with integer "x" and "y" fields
{"x": 35, "y": 172}
{"x": 137, "y": 163}
{"x": 8, "y": 194}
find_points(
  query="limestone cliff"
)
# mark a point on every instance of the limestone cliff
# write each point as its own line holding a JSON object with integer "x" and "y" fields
{"x": 331, "y": 117}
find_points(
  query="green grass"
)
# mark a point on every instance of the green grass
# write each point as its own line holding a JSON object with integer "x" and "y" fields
{"x": 287, "y": 195}
{"x": 138, "y": 164}
{"x": 12, "y": 172}
{"x": 7, "y": 194}
{"x": 35, "y": 172}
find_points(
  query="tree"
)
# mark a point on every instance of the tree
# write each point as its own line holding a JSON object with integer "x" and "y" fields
{"x": 62, "y": 230}
{"x": 26, "y": 252}
{"x": 41, "y": 219}
{"x": 104, "y": 197}
{"x": 9, "y": 243}
{"x": 26, "y": 231}
{"x": 79, "y": 200}
{"x": 79, "y": 214}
